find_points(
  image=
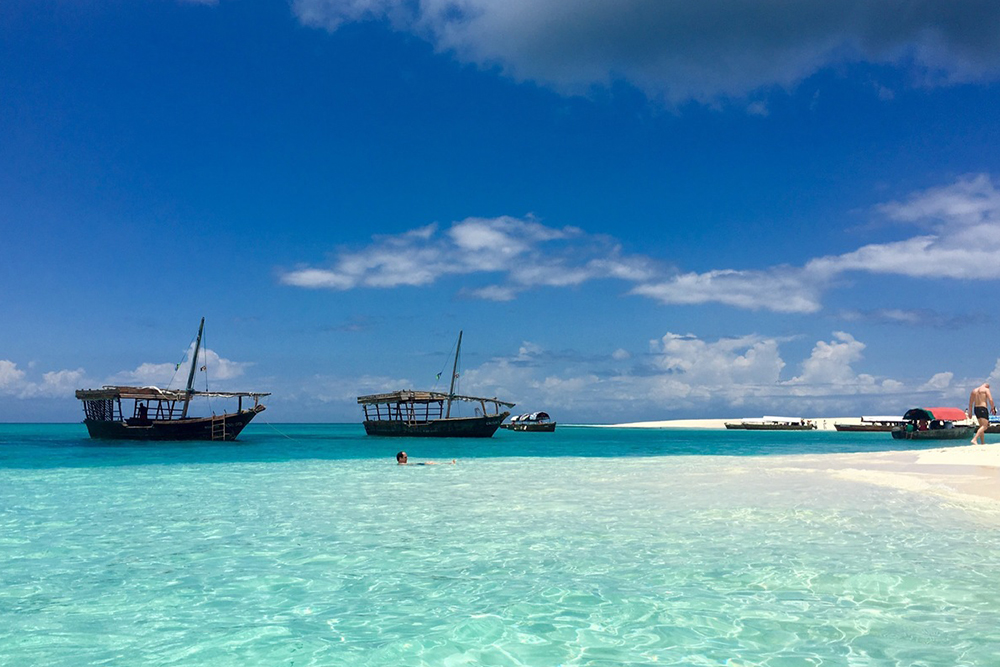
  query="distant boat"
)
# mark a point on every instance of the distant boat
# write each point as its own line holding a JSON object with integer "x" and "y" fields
{"x": 534, "y": 421}
{"x": 409, "y": 413}
{"x": 872, "y": 424}
{"x": 934, "y": 424}
{"x": 994, "y": 426}
{"x": 773, "y": 424}
{"x": 117, "y": 412}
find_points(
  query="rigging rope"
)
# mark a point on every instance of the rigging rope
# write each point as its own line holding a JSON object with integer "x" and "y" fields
{"x": 180, "y": 363}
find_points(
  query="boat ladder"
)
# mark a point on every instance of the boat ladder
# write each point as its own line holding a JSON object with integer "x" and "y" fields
{"x": 218, "y": 427}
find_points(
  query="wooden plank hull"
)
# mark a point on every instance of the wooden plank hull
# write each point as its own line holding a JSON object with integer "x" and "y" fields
{"x": 198, "y": 428}
{"x": 956, "y": 433}
{"x": 459, "y": 427}
{"x": 865, "y": 428}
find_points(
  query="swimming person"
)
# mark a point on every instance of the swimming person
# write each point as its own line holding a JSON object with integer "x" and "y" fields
{"x": 402, "y": 460}
{"x": 980, "y": 405}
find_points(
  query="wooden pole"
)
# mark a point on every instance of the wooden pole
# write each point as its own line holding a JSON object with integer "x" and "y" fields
{"x": 194, "y": 365}
{"x": 454, "y": 373}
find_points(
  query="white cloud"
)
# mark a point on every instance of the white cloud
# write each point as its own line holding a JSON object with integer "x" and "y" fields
{"x": 523, "y": 251}
{"x": 727, "y": 376}
{"x": 678, "y": 51}
{"x": 994, "y": 375}
{"x": 10, "y": 375}
{"x": 964, "y": 243}
{"x": 828, "y": 368}
{"x": 732, "y": 367}
{"x": 167, "y": 375}
{"x": 54, "y": 384}
{"x": 939, "y": 382}
{"x": 782, "y": 290}
{"x": 959, "y": 239}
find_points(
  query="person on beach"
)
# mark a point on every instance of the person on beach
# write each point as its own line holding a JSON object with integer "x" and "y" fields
{"x": 402, "y": 460}
{"x": 980, "y": 405}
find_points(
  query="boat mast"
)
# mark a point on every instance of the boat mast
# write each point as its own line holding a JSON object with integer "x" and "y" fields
{"x": 454, "y": 374}
{"x": 194, "y": 364}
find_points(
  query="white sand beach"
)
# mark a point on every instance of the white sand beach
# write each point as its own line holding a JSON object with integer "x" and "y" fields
{"x": 966, "y": 474}
{"x": 822, "y": 423}
{"x": 962, "y": 473}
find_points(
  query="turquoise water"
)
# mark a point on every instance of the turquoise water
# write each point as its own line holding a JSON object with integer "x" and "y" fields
{"x": 307, "y": 545}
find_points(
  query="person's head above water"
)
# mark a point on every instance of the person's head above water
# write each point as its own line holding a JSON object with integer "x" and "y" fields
{"x": 401, "y": 458}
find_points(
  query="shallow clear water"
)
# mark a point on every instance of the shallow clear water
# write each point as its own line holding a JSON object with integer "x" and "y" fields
{"x": 307, "y": 545}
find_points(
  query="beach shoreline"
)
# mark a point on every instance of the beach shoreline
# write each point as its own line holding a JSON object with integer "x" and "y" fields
{"x": 965, "y": 474}
{"x": 962, "y": 473}
{"x": 822, "y": 423}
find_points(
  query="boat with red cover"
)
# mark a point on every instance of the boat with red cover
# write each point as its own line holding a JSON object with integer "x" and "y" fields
{"x": 934, "y": 424}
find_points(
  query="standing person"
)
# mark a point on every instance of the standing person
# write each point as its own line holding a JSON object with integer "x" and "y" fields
{"x": 980, "y": 405}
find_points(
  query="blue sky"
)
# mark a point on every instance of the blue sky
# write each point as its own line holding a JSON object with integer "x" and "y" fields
{"x": 634, "y": 210}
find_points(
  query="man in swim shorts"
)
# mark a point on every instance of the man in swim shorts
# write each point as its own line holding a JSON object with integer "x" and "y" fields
{"x": 980, "y": 405}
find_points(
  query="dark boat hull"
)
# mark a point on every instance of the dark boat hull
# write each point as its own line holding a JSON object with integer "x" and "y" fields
{"x": 779, "y": 427}
{"x": 460, "y": 427}
{"x": 223, "y": 428}
{"x": 546, "y": 427}
{"x": 956, "y": 433}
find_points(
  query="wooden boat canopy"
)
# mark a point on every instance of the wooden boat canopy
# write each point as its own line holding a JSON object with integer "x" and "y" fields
{"x": 413, "y": 396}
{"x": 162, "y": 414}
{"x": 114, "y": 392}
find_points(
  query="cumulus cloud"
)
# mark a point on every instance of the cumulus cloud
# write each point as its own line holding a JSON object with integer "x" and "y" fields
{"x": 167, "y": 375}
{"x": 678, "y": 51}
{"x": 15, "y": 382}
{"x": 733, "y": 367}
{"x": 10, "y": 375}
{"x": 938, "y": 382}
{"x": 686, "y": 373}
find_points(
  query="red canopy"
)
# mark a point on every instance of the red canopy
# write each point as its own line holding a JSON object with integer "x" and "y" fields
{"x": 944, "y": 414}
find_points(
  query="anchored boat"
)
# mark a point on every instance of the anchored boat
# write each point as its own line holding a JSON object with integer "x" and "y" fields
{"x": 872, "y": 424}
{"x": 411, "y": 413}
{"x": 934, "y": 424}
{"x": 539, "y": 422}
{"x": 149, "y": 413}
{"x": 773, "y": 424}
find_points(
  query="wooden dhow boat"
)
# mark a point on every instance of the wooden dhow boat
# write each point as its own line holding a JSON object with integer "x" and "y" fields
{"x": 767, "y": 423}
{"x": 934, "y": 424}
{"x": 117, "y": 412}
{"x": 410, "y": 413}
{"x": 871, "y": 425}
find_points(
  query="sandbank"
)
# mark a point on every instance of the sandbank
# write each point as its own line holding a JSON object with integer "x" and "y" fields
{"x": 822, "y": 423}
{"x": 964, "y": 474}
{"x": 961, "y": 473}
